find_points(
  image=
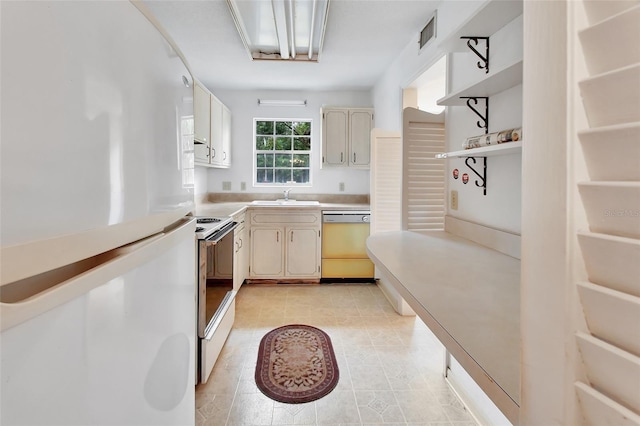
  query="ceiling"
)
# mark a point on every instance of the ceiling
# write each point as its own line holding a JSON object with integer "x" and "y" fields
{"x": 362, "y": 39}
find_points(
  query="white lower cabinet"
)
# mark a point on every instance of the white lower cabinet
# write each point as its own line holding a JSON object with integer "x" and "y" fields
{"x": 285, "y": 244}
{"x": 302, "y": 252}
{"x": 240, "y": 253}
{"x": 267, "y": 252}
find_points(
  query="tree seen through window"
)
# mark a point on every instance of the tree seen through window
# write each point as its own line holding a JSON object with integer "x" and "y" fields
{"x": 283, "y": 151}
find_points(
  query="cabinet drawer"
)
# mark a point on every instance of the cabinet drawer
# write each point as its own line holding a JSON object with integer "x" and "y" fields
{"x": 347, "y": 268}
{"x": 273, "y": 216}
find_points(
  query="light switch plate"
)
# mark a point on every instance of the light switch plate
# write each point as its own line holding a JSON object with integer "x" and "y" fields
{"x": 341, "y": 186}
{"x": 226, "y": 186}
{"x": 243, "y": 186}
{"x": 454, "y": 200}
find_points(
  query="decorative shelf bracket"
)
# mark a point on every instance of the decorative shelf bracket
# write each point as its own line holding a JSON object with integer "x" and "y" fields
{"x": 483, "y": 177}
{"x": 484, "y": 123}
{"x": 483, "y": 63}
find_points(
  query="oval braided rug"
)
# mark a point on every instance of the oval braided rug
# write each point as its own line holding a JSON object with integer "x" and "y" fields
{"x": 296, "y": 364}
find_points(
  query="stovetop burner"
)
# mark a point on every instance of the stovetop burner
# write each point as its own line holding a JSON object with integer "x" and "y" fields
{"x": 199, "y": 229}
{"x": 207, "y": 220}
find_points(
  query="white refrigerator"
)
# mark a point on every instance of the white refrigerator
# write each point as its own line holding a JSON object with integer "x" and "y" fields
{"x": 97, "y": 260}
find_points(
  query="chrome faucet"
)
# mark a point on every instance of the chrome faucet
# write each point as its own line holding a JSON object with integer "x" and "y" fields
{"x": 286, "y": 194}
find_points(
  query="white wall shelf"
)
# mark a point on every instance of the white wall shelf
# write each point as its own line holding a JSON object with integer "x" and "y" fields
{"x": 493, "y": 83}
{"x": 492, "y": 16}
{"x": 485, "y": 151}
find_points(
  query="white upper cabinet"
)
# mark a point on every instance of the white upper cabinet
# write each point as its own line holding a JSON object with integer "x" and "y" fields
{"x": 346, "y": 137}
{"x": 201, "y": 117}
{"x": 213, "y": 119}
{"x": 226, "y": 136}
{"x": 216, "y": 131}
{"x": 334, "y": 137}
{"x": 360, "y": 125}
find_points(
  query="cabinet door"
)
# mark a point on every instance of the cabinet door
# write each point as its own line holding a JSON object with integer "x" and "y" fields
{"x": 226, "y": 136}
{"x": 267, "y": 250}
{"x": 241, "y": 257}
{"x": 360, "y": 125}
{"x": 238, "y": 257}
{"x": 334, "y": 137}
{"x": 201, "y": 123}
{"x": 244, "y": 256}
{"x": 200, "y": 114}
{"x": 303, "y": 252}
{"x": 216, "y": 131}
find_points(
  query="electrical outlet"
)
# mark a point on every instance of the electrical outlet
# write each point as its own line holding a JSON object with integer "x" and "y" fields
{"x": 454, "y": 200}
{"x": 243, "y": 186}
{"x": 341, "y": 186}
{"x": 226, "y": 186}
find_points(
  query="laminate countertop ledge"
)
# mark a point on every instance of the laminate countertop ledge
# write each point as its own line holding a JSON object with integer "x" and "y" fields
{"x": 224, "y": 209}
{"x": 471, "y": 291}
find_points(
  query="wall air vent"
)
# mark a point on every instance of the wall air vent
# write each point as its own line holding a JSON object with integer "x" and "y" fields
{"x": 428, "y": 32}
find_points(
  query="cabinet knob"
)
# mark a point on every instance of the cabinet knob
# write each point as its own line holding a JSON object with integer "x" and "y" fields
{"x": 224, "y": 155}
{"x": 341, "y": 157}
{"x": 354, "y": 157}
{"x": 214, "y": 152}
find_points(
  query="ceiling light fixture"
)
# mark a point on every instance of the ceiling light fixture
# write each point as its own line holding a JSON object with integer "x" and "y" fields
{"x": 282, "y": 103}
{"x": 291, "y": 30}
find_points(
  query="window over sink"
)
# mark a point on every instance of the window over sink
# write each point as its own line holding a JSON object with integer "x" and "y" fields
{"x": 282, "y": 150}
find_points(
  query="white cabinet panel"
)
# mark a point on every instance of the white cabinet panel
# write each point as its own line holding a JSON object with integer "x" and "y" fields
{"x": 216, "y": 131}
{"x": 201, "y": 108}
{"x": 267, "y": 258}
{"x": 346, "y": 137}
{"x": 334, "y": 137}
{"x": 226, "y": 137}
{"x": 360, "y": 125}
{"x": 303, "y": 248}
{"x": 216, "y": 117}
{"x": 285, "y": 244}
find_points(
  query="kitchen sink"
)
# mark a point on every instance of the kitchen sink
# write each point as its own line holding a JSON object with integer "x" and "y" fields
{"x": 283, "y": 202}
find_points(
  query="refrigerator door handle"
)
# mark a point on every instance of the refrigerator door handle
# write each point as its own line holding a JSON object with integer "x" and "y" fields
{"x": 28, "y": 298}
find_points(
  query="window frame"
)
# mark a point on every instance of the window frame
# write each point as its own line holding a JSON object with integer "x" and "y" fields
{"x": 255, "y": 151}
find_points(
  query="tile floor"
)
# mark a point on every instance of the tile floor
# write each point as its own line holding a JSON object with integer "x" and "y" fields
{"x": 390, "y": 366}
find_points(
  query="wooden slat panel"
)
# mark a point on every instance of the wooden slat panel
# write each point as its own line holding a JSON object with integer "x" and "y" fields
{"x": 423, "y": 197}
{"x": 386, "y": 181}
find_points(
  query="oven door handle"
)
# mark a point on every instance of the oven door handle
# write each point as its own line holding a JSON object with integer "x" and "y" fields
{"x": 217, "y": 237}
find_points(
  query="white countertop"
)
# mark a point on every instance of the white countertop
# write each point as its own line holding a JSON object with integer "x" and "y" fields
{"x": 231, "y": 208}
{"x": 471, "y": 291}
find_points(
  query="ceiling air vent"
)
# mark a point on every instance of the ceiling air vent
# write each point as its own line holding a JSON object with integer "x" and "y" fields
{"x": 428, "y": 32}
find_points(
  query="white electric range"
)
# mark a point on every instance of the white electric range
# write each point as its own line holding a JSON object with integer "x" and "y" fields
{"x": 216, "y": 297}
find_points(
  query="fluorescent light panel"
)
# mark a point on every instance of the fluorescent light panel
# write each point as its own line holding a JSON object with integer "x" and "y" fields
{"x": 282, "y": 103}
{"x": 290, "y": 30}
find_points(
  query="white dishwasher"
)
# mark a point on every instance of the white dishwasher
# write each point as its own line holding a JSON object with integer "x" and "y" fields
{"x": 344, "y": 253}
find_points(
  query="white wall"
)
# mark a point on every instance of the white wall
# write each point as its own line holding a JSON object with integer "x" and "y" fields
{"x": 410, "y": 64}
{"x": 244, "y": 108}
{"x": 500, "y": 208}
{"x": 201, "y": 178}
